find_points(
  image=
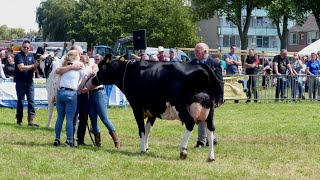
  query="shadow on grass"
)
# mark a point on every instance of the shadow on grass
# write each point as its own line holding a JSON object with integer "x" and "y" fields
{"x": 26, "y": 127}
{"x": 137, "y": 154}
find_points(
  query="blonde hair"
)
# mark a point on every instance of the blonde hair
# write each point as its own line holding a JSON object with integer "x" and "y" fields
{"x": 84, "y": 59}
{"x": 71, "y": 56}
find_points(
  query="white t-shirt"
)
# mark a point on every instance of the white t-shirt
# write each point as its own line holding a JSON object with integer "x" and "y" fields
{"x": 71, "y": 79}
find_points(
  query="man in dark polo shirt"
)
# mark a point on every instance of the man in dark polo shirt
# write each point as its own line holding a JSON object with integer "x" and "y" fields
{"x": 281, "y": 65}
{"x": 252, "y": 65}
{"x": 23, "y": 76}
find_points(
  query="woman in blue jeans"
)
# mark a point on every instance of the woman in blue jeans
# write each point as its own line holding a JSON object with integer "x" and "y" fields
{"x": 71, "y": 73}
{"x": 98, "y": 105}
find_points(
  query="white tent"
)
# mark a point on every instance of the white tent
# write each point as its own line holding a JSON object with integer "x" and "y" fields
{"x": 311, "y": 48}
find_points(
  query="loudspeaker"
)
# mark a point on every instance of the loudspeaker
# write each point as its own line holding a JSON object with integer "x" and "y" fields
{"x": 139, "y": 39}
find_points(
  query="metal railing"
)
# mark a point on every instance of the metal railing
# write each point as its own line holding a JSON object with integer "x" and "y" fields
{"x": 272, "y": 87}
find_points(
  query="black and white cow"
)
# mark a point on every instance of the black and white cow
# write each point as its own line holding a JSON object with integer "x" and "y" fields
{"x": 166, "y": 90}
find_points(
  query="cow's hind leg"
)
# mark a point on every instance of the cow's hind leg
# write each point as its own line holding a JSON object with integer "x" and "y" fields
{"x": 148, "y": 128}
{"x": 186, "y": 118}
{"x": 210, "y": 130}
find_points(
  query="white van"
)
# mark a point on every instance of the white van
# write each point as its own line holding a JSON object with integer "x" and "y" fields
{"x": 180, "y": 54}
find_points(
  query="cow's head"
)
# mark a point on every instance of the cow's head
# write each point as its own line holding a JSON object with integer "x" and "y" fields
{"x": 108, "y": 69}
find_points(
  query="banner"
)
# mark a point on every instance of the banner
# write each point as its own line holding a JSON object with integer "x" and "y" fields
{"x": 8, "y": 95}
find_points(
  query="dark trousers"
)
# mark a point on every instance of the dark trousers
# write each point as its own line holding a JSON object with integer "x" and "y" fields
{"x": 83, "y": 116}
{"x": 281, "y": 87}
{"x": 23, "y": 89}
{"x": 252, "y": 87}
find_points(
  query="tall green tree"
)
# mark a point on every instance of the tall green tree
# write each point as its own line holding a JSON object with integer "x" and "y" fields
{"x": 55, "y": 17}
{"x": 168, "y": 23}
{"x": 281, "y": 11}
{"x": 233, "y": 10}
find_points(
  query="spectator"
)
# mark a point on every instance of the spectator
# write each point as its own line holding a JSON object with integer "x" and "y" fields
{"x": 25, "y": 65}
{"x": 233, "y": 61}
{"x": 9, "y": 67}
{"x": 252, "y": 66}
{"x": 8, "y": 53}
{"x": 143, "y": 56}
{"x": 98, "y": 101}
{"x": 313, "y": 66}
{"x": 267, "y": 72}
{"x": 201, "y": 52}
{"x": 281, "y": 65}
{"x": 161, "y": 56}
{"x": 71, "y": 72}
{"x": 172, "y": 56}
{"x": 298, "y": 68}
{"x": 154, "y": 58}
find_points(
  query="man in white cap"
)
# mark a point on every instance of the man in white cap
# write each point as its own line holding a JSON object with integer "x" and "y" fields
{"x": 161, "y": 55}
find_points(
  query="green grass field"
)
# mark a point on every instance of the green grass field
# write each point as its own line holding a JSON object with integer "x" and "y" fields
{"x": 256, "y": 141}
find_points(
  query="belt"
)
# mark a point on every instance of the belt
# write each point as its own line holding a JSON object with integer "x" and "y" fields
{"x": 67, "y": 89}
{"x": 95, "y": 90}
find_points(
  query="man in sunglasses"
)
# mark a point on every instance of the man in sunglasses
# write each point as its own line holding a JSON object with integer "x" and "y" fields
{"x": 25, "y": 65}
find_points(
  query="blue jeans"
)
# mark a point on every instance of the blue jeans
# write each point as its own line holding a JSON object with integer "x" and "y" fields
{"x": 66, "y": 106}
{"x": 296, "y": 85}
{"x": 98, "y": 106}
{"x": 23, "y": 89}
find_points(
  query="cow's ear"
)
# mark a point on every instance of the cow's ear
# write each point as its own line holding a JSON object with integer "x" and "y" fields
{"x": 122, "y": 58}
{"x": 107, "y": 58}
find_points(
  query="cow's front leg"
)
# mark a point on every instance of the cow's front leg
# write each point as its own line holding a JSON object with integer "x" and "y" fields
{"x": 148, "y": 128}
{"x": 138, "y": 114}
{"x": 184, "y": 144}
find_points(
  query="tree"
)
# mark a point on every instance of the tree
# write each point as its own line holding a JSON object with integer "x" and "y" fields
{"x": 281, "y": 11}
{"x": 11, "y": 33}
{"x": 309, "y": 6}
{"x": 233, "y": 12}
{"x": 169, "y": 23}
{"x": 54, "y": 18}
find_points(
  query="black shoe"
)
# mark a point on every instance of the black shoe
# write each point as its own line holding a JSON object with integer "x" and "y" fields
{"x": 82, "y": 144}
{"x": 215, "y": 141}
{"x": 247, "y": 101}
{"x": 56, "y": 142}
{"x": 69, "y": 144}
{"x": 199, "y": 145}
{"x": 255, "y": 101}
{"x": 19, "y": 123}
{"x": 33, "y": 125}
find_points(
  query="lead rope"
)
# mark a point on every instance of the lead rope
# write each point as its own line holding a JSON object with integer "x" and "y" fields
{"x": 124, "y": 76}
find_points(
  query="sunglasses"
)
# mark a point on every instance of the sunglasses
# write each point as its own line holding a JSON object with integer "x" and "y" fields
{"x": 97, "y": 59}
{"x": 25, "y": 47}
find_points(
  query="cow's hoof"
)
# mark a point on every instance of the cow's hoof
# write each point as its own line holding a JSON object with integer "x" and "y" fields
{"x": 183, "y": 156}
{"x": 210, "y": 160}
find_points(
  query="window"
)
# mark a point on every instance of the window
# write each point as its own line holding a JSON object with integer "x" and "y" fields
{"x": 230, "y": 40}
{"x": 293, "y": 38}
{"x": 262, "y": 41}
{"x": 312, "y": 37}
{"x": 260, "y": 21}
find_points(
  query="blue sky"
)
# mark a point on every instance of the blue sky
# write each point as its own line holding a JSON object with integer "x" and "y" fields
{"x": 19, "y": 14}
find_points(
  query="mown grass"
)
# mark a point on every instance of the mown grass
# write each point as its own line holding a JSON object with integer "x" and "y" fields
{"x": 256, "y": 141}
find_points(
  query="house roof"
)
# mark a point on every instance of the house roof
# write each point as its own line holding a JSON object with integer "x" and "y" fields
{"x": 309, "y": 25}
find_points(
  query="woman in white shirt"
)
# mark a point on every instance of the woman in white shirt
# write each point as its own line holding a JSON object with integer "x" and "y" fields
{"x": 71, "y": 74}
